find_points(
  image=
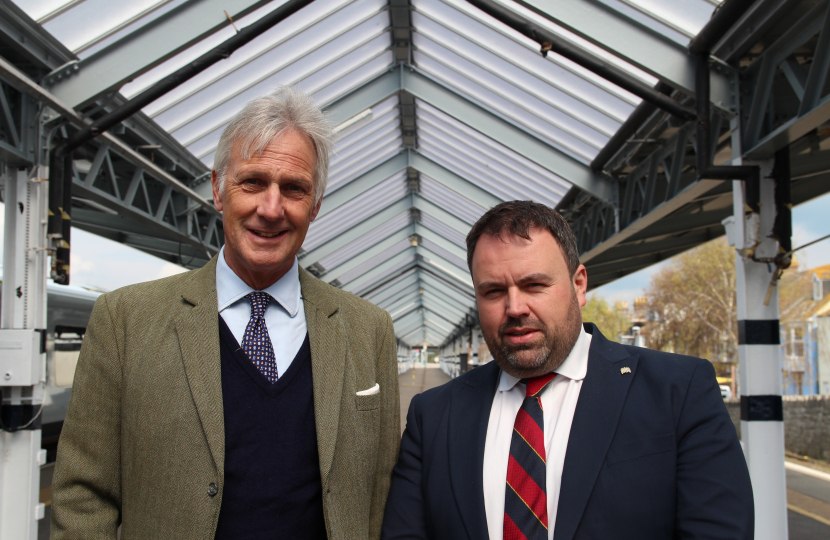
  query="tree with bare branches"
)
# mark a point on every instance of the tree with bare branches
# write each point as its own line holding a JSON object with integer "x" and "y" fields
{"x": 693, "y": 305}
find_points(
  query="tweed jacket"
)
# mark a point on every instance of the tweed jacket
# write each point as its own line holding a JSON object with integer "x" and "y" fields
{"x": 143, "y": 442}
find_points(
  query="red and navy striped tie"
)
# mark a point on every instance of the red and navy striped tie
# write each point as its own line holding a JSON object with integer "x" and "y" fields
{"x": 525, "y": 500}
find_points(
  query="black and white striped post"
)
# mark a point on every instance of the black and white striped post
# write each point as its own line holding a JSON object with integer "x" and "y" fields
{"x": 759, "y": 353}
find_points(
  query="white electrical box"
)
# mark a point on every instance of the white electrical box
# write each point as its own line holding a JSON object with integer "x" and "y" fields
{"x": 21, "y": 357}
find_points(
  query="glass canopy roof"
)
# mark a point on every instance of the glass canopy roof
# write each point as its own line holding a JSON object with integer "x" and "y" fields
{"x": 412, "y": 172}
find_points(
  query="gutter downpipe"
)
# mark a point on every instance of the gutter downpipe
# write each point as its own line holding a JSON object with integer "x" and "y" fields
{"x": 60, "y": 159}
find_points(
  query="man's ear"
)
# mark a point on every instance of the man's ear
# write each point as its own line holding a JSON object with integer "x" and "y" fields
{"x": 217, "y": 193}
{"x": 580, "y": 284}
{"x": 316, "y": 209}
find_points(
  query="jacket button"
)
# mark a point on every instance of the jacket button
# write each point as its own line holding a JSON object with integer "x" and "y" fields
{"x": 213, "y": 489}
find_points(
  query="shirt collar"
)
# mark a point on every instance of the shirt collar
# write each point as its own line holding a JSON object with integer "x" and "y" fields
{"x": 575, "y": 366}
{"x": 230, "y": 288}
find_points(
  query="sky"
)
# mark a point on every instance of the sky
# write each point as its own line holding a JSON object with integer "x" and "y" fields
{"x": 809, "y": 223}
{"x": 108, "y": 265}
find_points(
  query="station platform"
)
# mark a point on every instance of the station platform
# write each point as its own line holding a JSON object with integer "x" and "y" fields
{"x": 808, "y": 491}
{"x": 415, "y": 381}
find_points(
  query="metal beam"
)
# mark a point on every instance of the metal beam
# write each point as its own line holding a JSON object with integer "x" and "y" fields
{"x": 663, "y": 210}
{"x": 448, "y": 309}
{"x": 507, "y": 134}
{"x": 625, "y": 38}
{"x": 407, "y": 292}
{"x": 427, "y": 234}
{"x": 25, "y": 84}
{"x": 451, "y": 310}
{"x": 351, "y": 234}
{"x": 812, "y": 111}
{"x": 682, "y": 223}
{"x": 404, "y": 307}
{"x": 457, "y": 295}
{"x": 440, "y": 214}
{"x": 391, "y": 287}
{"x": 464, "y": 187}
{"x": 394, "y": 165}
{"x": 359, "y": 185}
{"x": 394, "y": 237}
{"x": 758, "y": 19}
{"x": 630, "y": 251}
{"x": 378, "y": 270}
{"x": 459, "y": 274}
{"x": 384, "y": 281}
{"x": 144, "y": 48}
{"x": 364, "y": 97}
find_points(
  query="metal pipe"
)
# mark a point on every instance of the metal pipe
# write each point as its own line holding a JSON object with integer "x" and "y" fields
{"x": 185, "y": 73}
{"x": 643, "y": 111}
{"x": 726, "y": 15}
{"x": 60, "y": 169}
{"x": 705, "y": 169}
{"x": 551, "y": 42}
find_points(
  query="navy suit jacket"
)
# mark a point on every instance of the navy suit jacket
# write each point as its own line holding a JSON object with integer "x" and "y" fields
{"x": 651, "y": 455}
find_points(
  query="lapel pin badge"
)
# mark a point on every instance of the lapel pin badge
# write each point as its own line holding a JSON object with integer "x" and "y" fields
{"x": 625, "y": 370}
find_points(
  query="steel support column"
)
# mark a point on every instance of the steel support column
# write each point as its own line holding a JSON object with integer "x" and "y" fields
{"x": 759, "y": 360}
{"x": 23, "y": 363}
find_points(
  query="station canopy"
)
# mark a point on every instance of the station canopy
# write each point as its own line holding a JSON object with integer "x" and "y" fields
{"x": 441, "y": 112}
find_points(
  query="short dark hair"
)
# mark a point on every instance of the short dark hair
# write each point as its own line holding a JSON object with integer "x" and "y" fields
{"x": 517, "y": 218}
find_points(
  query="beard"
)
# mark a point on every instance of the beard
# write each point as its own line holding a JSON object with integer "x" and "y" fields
{"x": 531, "y": 359}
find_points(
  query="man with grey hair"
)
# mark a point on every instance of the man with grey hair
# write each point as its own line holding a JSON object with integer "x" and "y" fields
{"x": 245, "y": 399}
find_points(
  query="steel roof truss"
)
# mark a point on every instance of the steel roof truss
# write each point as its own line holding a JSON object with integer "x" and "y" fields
{"x": 379, "y": 247}
{"x": 759, "y": 138}
{"x": 143, "y": 49}
{"x": 507, "y": 134}
{"x": 440, "y": 241}
{"x": 629, "y": 40}
{"x": 379, "y": 269}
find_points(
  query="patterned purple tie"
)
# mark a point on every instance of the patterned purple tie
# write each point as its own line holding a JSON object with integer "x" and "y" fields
{"x": 256, "y": 342}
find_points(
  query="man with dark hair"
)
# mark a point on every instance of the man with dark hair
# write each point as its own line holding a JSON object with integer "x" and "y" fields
{"x": 566, "y": 435}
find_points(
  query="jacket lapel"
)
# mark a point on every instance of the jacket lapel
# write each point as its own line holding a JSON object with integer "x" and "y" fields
{"x": 328, "y": 363}
{"x": 598, "y": 410}
{"x": 469, "y": 415}
{"x": 197, "y": 327}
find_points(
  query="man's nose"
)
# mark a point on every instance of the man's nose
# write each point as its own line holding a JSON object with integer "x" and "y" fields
{"x": 271, "y": 204}
{"x": 516, "y": 304}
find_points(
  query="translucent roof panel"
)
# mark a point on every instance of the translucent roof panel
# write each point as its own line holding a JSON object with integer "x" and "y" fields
{"x": 373, "y": 262}
{"x": 444, "y": 230}
{"x": 404, "y": 280}
{"x": 285, "y": 30}
{"x": 333, "y": 47}
{"x": 366, "y": 241}
{"x": 358, "y": 285}
{"x": 368, "y": 146}
{"x": 85, "y": 26}
{"x": 444, "y": 254}
{"x": 502, "y": 71}
{"x": 327, "y": 49}
{"x": 678, "y": 20}
{"x": 349, "y": 214}
{"x": 497, "y": 169}
{"x": 457, "y": 205}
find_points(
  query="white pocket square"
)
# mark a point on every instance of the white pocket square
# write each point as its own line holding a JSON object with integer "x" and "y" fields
{"x": 370, "y": 392}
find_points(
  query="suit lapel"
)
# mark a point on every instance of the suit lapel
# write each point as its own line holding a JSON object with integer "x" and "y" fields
{"x": 328, "y": 363}
{"x": 598, "y": 410}
{"x": 197, "y": 327}
{"x": 469, "y": 415}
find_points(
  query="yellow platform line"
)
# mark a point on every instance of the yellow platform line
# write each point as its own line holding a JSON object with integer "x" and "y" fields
{"x": 808, "y": 514}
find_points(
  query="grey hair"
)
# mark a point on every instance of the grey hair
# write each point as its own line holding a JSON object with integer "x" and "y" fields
{"x": 265, "y": 119}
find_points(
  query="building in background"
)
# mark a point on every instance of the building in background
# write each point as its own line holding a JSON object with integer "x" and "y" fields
{"x": 805, "y": 331}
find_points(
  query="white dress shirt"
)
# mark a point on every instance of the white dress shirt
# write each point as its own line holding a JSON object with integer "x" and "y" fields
{"x": 284, "y": 316}
{"x": 558, "y": 404}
